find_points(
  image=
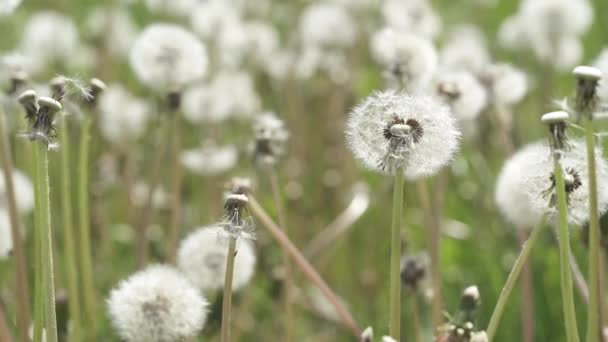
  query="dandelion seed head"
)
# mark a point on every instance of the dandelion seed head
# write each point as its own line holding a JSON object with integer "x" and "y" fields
{"x": 236, "y": 221}
{"x": 210, "y": 159}
{"x": 202, "y": 258}
{"x": 270, "y": 138}
{"x": 7, "y": 7}
{"x": 327, "y": 25}
{"x": 114, "y": 27}
{"x": 123, "y": 117}
{"x": 407, "y": 59}
{"x": 421, "y": 150}
{"x": 462, "y": 92}
{"x": 263, "y": 41}
{"x": 479, "y": 336}
{"x": 24, "y": 192}
{"x": 367, "y": 335}
{"x": 415, "y": 16}
{"x": 414, "y": 270}
{"x": 157, "y": 304}
{"x": 465, "y": 49}
{"x": 506, "y": 84}
{"x": 166, "y": 57}
{"x": 208, "y": 19}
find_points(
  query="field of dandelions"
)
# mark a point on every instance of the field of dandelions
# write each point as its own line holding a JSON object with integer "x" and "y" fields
{"x": 304, "y": 170}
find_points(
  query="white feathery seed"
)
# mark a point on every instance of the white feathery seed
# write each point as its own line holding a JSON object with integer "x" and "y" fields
{"x": 24, "y": 192}
{"x": 167, "y": 57}
{"x": 462, "y": 92}
{"x": 413, "y": 16}
{"x": 210, "y": 159}
{"x": 391, "y": 130}
{"x": 123, "y": 117}
{"x": 202, "y": 258}
{"x": 157, "y": 304}
{"x": 407, "y": 59}
{"x": 327, "y": 25}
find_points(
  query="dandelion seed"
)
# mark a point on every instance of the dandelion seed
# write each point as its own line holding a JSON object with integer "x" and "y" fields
{"x": 157, "y": 304}
{"x": 202, "y": 258}
{"x": 166, "y": 57}
{"x": 391, "y": 130}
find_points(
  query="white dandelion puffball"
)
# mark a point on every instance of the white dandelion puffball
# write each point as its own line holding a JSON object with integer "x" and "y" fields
{"x": 157, "y": 304}
{"x": 6, "y": 237}
{"x": 506, "y": 84}
{"x": 115, "y": 27}
{"x": 409, "y": 59}
{"x": 7, "y": 7}
{"x": 166, "y": 56}
{"x": 209, "y": 18}
{"x": 462, "y": 92}
{"x": 202, "y": 258}
{"x": 412, "y": 16}
{"x": 465, "y": 49}
{"x": 327, "y": 25}
{"x": 24, "y": 192}
{"x": 525, "y": 190}
{"x": 210, "y": 160}
{"x": 601, "y": 62}
{"x": 49, "y": 37}
{"x": 172, "y": 7}
{"x": 123, "y": 117}
{"x": 511, "y": 194}
{"x": 230, "y": 94}
{"x": 263, "y": 41}
{"x": 393, "y": 130}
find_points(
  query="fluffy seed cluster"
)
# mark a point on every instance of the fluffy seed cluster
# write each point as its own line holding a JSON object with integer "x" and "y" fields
{"x": 465, "y": 49}
{"x": 167, "y": 57}
{"x": 408, "y": 60}
{"x": 326, "y": 24}
{"x": 392, "y": 130}
{"x": 123, "y": 117}
{"x": 157, "y": 304}
{"x": 202, "y": 259}
{"x": 210, "y": 159}
{"x": 7, "y": 7}
{"x": 525, "y": 189}
{"x": 462, "y": 92}
{"x": 270, "y": 138}
{"x": 413, "y": 16}
{"x": 506, "y": 84}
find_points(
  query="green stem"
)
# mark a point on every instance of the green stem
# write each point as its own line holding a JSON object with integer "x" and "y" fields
{"x": 68, "y": 226}
{"x": 86, "y": 264}
{"x": 416, "y": 318}
{"x": 395, "y": 270}
{"x": 18, "y": 247}
{"x": 593, "y": 322}
{"x": 48, "y": 278}
{"x": 512, "y": 280}
{"x": 38, "y": 286}
{"x": 227, "y": 300}
{"x": 564, "y": 249}
{"x": 176, "y": 199}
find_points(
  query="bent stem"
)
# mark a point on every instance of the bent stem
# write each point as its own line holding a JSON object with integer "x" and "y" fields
{"x": 304, "y": 265}
{"x": 176, "y": 199}
{"x": 564, "y": 248}
{"x": 86, "y": 265}
{"x": 395, "y": 271}
{"x": 48, "y": 278}
{"x": 520, "y": 262}
{"x": 593, "y": 322}
{"x": 68, "y": 226}
{"x": 227, "y": 300}
{"x": 288, "y": 279}
{"x": 18, "y": 248}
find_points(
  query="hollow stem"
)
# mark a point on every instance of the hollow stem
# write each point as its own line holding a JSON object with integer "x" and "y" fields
{"x": 86, "y": 265}
{"x": 520, "y": 262}
{"x": 48, "y": 279}
{"x": 18, "y": 247}
{"x": 68, "y": 232}
{"x": 227, "y": 299}
{"x": 564, "y": 247}
{"x": 303, "y": 264}
{"x": 416, "y": 318}
{"x": 395, "y": 267}
{"x": 176, "y": 198}
{"x": 593, "y": 322}
{"x": 288, "y": 278}
{"x": 38, "y": 285}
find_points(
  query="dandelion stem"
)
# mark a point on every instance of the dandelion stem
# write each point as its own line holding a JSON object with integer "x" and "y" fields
{"x": 395, "y": 271}
{"x": 564, "y": 246}
{"x": 18, "y": 248}
{"x": 68, "y": 226}
{"x": 146, "y": 216}
{"x": 48, "y": 278}
{"x": 579, "y": 279}
{"x": 38, "y": 285}
{"x": 227, "y": 300}
{"x": 416, "y": 318}
{"x": 304, "y": 265}
{"x": 176, "y": 198}
{"x": 520, "y": 262}
{"x": 86, "y": 265}
{"x": 288, "y": 279}
{"x": 5, "y": 334}
{"x": 593, "y": 323}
